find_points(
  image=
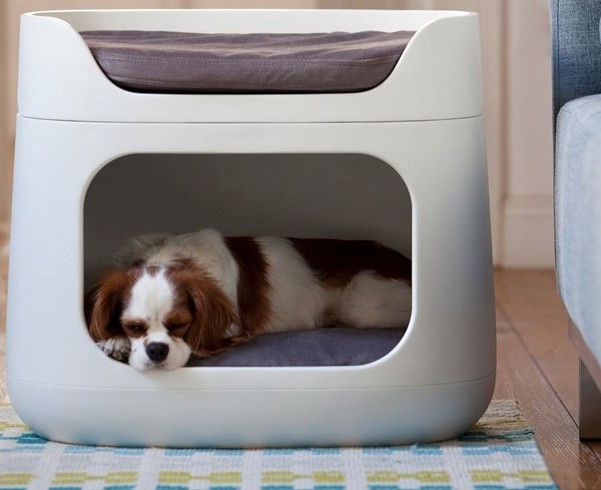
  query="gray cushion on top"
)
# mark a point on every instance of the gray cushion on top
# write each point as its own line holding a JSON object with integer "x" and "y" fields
{"x": 182, "y": 62}
{"x": 320, "y": 347}
{"x": 578, "y": 215}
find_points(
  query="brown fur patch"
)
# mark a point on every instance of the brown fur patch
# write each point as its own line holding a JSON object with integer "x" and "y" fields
{"x": 210, "y": 308}
{"x": 253, "y": 285}
{"x": 103, "y": 304}
{"x": 336, "y": 262}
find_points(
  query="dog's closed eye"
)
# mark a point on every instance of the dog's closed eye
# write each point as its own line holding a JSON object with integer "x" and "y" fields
{"x": 178, "y": 321}
{"x": 177, "y": 329}
{"x": 134, "y": 328}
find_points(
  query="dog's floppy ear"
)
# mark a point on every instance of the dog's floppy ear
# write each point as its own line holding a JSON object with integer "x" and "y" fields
{"x": 103, "y": 305}
{"x": 212, "y": 310}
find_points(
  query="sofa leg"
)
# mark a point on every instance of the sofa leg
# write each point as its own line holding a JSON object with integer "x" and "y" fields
{"x": 590, "y": 405}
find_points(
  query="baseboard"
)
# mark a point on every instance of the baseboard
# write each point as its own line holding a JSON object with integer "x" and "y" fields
{"x": 528, "y": 232}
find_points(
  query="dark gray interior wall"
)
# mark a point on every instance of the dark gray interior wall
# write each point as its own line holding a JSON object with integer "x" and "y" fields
{"x": 301, "y": 195}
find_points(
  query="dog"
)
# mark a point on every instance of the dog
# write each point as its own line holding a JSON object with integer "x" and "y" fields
{"x": 199, "y": 293}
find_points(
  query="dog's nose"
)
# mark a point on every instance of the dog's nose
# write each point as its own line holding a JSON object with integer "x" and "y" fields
{"x": 157, "y": 351}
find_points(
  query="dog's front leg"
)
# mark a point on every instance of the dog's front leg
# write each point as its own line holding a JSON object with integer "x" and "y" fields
{"x": 117, "y": 348}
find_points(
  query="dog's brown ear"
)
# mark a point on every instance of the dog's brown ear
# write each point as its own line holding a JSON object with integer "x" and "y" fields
{"x": 213, "y": 312}
{"x": 103, "y": 305}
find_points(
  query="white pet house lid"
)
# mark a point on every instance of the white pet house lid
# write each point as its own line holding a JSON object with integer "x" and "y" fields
{"x": 438, "y": 76}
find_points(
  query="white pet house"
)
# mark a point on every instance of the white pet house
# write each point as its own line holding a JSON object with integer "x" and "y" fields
{"x": 403, "y": 163}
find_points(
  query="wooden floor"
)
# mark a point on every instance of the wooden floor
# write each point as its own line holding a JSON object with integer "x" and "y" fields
{"x": 537, "y": 366}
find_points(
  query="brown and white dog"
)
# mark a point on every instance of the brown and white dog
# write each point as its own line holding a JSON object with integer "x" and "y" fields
{"x": 174, "y": 295}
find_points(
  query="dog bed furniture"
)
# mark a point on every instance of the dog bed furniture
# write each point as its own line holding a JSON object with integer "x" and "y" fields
{"x": 401, "y": 161}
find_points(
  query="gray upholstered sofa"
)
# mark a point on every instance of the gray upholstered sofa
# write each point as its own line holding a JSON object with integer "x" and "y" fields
{"x": 577, "y": 105}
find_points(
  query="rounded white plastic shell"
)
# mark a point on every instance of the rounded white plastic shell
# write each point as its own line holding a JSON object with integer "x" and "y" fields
{"x": 424, "y": 121}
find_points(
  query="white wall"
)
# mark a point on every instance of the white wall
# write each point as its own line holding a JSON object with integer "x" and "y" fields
{"x": 517, "y": 86}
{"x": 5, "y": 143}
{"x": 527, "y": 213}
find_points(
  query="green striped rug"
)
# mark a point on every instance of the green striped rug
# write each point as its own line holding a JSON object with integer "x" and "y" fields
{"x": 499, "y": 452}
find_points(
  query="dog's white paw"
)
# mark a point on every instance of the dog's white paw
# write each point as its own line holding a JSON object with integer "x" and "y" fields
{"x": 118, "y": 348}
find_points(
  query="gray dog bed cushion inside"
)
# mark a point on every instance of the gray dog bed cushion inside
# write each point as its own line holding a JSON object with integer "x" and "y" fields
{"x": 319, "y": 347}
{"x": 183, "y": 62}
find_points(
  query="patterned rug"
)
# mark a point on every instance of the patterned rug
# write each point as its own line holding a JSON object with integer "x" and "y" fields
{"x": 499, "y": 452}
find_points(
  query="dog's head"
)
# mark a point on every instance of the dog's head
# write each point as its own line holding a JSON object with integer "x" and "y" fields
{"x": 167, "y": 312}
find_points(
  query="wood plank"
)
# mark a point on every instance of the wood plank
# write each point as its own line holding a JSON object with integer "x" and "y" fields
{"x": 572, "y": 465}
{"x": 3, "y": 392}
{"x": 536, "y": 311}
{"x": 4, "y": 231}
{"x": 531, "y": 302}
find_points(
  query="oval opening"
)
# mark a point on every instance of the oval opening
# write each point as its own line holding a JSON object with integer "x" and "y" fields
{"x": 350, "y": 197}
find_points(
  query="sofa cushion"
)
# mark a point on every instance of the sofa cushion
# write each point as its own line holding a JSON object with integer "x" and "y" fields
{"x": 578, "y": 215}
{"x": 183, "y": 62}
